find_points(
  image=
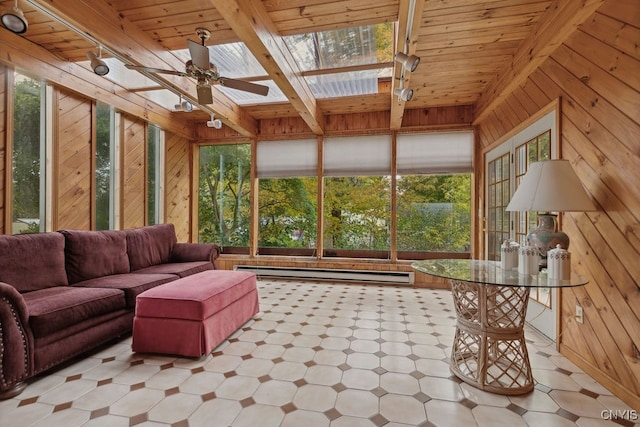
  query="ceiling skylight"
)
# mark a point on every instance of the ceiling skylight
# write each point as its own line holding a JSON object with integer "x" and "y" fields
{"x": 334, "y": 48}
{"x": 335, "y": 63}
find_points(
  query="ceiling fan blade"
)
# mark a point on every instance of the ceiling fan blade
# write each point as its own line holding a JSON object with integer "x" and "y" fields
{"x": 199, "y": 55}
{"x": 204, "y": 94}
{"x": 245, "y": 86}
{"x": 154, "y": 70}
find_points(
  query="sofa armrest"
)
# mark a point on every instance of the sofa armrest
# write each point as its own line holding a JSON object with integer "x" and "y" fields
{"x": 185, "y": 252}
{"x": 16, "y": 340}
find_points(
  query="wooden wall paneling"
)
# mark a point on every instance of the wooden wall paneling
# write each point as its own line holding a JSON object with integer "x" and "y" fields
{"x": 133, "y": 159}
{"x": 73, "y": 161}
{"x": 596, "y": 75}
{"x": 606, "y": 334}
{"x": 279, "y": 127}
{"x": 3, "y": 146}
{"x": 178, "y": 185}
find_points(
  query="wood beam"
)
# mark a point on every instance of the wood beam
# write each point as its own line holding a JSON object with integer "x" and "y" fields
{"x": 554, "y": 27}
{"x": 251, "y": 22}
{"x": 115, "y": 33}
{"x": 410, "y": 41}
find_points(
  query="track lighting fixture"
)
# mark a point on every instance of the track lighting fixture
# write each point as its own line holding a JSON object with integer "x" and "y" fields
{"x": 184, "y": 105}
{"x": 404, "y": 94}
{"x": 13, "y": 19}
{"x": 214, "y": 123}
{"x": 97, "y": 64}
{"x": 409, "y": 62}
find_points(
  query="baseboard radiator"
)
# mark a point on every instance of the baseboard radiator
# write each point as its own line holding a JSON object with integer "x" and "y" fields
{"x": 341, "y": 275}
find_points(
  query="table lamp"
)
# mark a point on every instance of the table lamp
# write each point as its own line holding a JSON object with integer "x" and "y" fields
{"x": 550, "y": 186}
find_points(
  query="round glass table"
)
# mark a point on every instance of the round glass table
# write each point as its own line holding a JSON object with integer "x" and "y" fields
{"x": 489, "y": 350}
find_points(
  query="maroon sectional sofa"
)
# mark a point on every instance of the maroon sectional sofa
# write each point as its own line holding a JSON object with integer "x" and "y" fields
{"x": 64, "y": 293}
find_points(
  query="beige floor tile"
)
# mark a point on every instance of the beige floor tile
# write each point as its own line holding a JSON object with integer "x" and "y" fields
{"x": 315, "y": 397}
{"x": 357, "y": 403}
{"x": 402, "y": 409}
{"x": 360, "y": 379}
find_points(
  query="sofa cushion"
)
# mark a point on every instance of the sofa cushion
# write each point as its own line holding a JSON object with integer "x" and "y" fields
{"x": 91, "y": 254}
{"x": 32, "y": 261}
{"x": 53, "y": 309}
{"x": 131, "y": 284}
{"x": 150, "y": 245}
{"x": 181, "y": 269}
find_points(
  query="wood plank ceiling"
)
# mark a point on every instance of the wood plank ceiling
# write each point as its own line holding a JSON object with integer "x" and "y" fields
{"x": 465, "y": 46}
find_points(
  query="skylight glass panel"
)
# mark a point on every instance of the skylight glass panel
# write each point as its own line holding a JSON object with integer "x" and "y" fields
{"x": 233, "y": 60}
{"x": 247, "y": 98}
{"x": 342, "y": 84}
{"x": 334, "y": 48}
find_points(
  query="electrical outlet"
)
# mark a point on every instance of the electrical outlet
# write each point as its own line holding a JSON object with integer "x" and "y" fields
{"x": 579, "y": 315}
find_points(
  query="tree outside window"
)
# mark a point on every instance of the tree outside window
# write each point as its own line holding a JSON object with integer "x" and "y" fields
{"x": 28, "y": 173}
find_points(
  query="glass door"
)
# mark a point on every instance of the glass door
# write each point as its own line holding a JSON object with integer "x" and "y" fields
{"x": 505, "y": 166}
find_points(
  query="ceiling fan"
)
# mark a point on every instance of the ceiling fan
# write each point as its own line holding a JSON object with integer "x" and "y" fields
{"x": 204, "y": 72}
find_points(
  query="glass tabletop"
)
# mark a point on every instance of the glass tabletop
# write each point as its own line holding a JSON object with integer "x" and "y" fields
{"x": 489, "y": 272}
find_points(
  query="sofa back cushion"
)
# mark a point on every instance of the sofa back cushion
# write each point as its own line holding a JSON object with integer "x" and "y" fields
{"x": 91, "y": 254}
{"x": 32, "y": 261}
{"x": 150, "y": 245}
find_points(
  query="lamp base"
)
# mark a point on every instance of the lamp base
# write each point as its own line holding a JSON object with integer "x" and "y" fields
{"x": 547, "y": 237}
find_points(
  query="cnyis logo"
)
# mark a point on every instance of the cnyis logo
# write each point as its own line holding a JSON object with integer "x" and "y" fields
{"x": 620, "y": 414}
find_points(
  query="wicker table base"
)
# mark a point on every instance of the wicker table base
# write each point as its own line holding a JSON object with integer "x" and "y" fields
{"x": 489, "y": 350}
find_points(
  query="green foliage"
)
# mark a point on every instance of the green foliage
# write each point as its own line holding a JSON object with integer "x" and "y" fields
{"x": 434, "y": 213}
{"x": 223, "y": 215}
{"x": 287, "y": 209}
{"x": 103, "y": 165}
{"x": 357, "y": 213}
{"x": 26, "y": 149}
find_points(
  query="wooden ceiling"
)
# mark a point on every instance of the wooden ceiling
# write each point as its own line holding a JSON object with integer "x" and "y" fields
{"x": 468, "y": 49}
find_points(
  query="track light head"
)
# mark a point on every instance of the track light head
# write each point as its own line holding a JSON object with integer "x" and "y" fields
{"x": 214, "y": 123}
{"x": 184, "y": 106}
{"x": 404, "y": 94}
{"x": 409, "y": 62}
{"x": 97, "y": 64}
{"x": 13, "y": 19}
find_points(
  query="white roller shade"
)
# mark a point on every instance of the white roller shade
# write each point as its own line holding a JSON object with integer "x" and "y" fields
{"x": 435, "y": 153}
{"x": 287, "y": 159}
{"x": 357, "y": 156}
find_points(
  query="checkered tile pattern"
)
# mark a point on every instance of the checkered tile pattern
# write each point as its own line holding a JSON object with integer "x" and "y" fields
{"x": 318, "y": 354}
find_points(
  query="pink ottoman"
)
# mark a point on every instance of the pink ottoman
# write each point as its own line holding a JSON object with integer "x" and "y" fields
{"x": 192, "y": 315}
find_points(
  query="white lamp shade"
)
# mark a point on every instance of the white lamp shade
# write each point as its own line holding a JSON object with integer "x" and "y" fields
{"x": 551, "y": 186}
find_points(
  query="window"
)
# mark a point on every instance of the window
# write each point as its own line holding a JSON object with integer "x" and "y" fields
{"x": 434, "y": 214}
{"x": 433, "y": 195}
{"x": 28, "y": 184}
{"x": 105, "y": 167}
{"x": 288, "y": 214}
{"x": 357, "y": 198}
{"x": 224, "y": 196}
{"x": 155, "y": 173}
{"x": 433, "y": 203}
{"x": 357, "y": 215}
{"x": 499, "y": 194}
{"x": 287, "y": 196}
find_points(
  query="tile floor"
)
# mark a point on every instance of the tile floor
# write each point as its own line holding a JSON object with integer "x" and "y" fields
{"x": 318, "y": 354}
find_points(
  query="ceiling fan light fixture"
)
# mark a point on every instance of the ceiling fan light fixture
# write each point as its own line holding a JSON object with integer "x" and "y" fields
{"x": 97, "y": 64}
{"x": 404, "y": 94}
{"x": 409, "y": 62}
{"x": 13, "y": 20}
